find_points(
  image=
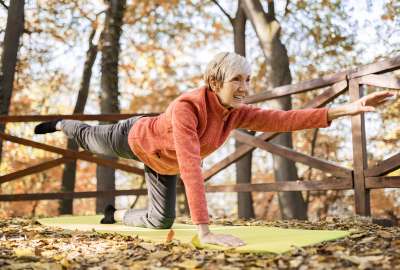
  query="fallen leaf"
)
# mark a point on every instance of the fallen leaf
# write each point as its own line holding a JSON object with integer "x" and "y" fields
{"x": 196, "y": 242}
{"x": 334, "y": 248}
{"x": 159, "y": 255}
{"x": 367, "y": 240}
{"x": 296, "y": 262}
{"x": 357, "y": 235}
{"x": 220, "y": 257}
{"x": 19, "y": 252}
{"x": 170, "y": 236}
{"x": 65, "y": 263}
{"x": 147, "y": 246}
{"x": 189, "y": 264}
{"x": 48, "y": 253}
{"x": 385, "y": 234}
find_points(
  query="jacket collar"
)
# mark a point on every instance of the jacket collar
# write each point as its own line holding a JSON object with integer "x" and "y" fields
{"x": 215, "y": 104}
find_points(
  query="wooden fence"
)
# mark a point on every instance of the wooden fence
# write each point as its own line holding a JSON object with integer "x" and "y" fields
{"x": 361, "y": 178}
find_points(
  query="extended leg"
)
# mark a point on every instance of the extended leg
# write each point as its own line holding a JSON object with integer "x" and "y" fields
{"x": 95, "y": 139}
{"x": 161, "y": 203}
{"x": 109, "y": 140}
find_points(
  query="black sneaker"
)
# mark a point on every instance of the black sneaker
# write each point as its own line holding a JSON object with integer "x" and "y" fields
{"x": 108, "y": 215}
{"x": 46, "y": 127}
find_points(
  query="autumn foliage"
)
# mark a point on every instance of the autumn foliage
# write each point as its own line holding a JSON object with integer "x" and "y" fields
{"x": 164, "y": 48}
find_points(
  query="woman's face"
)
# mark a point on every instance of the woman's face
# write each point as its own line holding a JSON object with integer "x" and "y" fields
{"x": 231, "y": 93}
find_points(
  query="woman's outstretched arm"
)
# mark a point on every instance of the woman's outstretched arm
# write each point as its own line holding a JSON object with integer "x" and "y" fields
{"x": 364, "y": 104}
{"x": 258, "y": 119}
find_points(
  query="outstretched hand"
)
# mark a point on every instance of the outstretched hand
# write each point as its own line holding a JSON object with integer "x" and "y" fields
{"x": 370, "y": 102}
{"x": 221, "y": 239}
{"x": 364, "y": 104}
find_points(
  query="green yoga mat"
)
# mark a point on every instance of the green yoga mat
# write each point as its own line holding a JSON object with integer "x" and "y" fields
{"x": 259, "y": 239}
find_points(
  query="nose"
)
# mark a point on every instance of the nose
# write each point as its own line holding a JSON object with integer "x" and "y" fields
{"x": 243, "y": 87}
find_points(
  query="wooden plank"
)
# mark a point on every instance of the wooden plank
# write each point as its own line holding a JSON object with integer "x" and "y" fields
{"x": 70, "y": 195}
{"x": 291, "y": 154}
{"x": 361, "y": 194}
{"x": 382, "y": 182}
{"x": 331, "y": 184}
{"x": 286, "y": 90}
{"x": 377, "y": 67}
{"x": 327, "y": 96}
{"x": 81, "y": 117}
{"x": 383, "y": 80}
{"x": 232, "y": 158}
{"x": 319, "y": 101}
{"x": 34, "y": 169}
{"x": 73, "y": 154}
{"x": 384, "y": 167}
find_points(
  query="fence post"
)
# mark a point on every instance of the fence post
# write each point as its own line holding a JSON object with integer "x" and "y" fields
{"x": 361, "y": 194}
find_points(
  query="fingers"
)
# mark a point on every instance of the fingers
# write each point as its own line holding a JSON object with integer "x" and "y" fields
{"x": 387, "y": 95}
{"x": 387, "y": 99}
{"x": 383, "y": 94}
{"x": 380, "y": 94}
{"x": 377, "y": 98}
{"x": 224, "y": 240}
{"x": 233, "y": 241}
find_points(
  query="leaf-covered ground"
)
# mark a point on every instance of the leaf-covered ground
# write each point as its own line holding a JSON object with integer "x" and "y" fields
{"x": 25, "y": 244}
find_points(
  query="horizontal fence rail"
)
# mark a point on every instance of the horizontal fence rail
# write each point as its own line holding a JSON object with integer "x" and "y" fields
{"x": 330, "y": 184}
{"x": 286, "y": 90}
{"x": 382, "y": 182}
{"x": 81, "y": 117}
{"x": 73, "y": 154}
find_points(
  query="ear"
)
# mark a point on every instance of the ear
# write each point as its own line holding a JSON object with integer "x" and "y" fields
{"x": 215, "y": 85}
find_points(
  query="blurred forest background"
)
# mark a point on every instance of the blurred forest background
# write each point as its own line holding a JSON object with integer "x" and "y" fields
{"x": 137, "y": 56}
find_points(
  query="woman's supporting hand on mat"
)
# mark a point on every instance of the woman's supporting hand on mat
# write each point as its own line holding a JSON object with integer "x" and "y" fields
{"x": 364, "y": 104}
{"x": 207, "y": 237}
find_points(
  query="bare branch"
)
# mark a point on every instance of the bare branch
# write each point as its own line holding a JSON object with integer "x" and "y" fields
{"x": 3, "y": 4}
{"x": 223, "y": 10}
{"x": 287, "y": 11}
{"x": 271, "y": 9}
{"x": 139, "y": 18}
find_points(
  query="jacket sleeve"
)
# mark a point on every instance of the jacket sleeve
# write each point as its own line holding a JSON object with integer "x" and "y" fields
{"x": 258, "y": 119}
{"x": 187, "y": 146}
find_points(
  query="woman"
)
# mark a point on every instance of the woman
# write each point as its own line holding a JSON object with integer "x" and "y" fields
{"x": 193, "y": 126}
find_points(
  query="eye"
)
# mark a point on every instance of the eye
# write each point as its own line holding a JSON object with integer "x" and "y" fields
{"x": 236, "y": 79}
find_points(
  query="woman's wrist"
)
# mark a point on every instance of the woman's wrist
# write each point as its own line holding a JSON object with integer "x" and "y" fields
{"x": 203, "y": 229}
{"x": 337, "y": 112}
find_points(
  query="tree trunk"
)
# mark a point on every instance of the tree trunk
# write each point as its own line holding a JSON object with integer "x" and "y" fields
{"x": 110, "y": 48}
{"x": 14, "y": 30}
{"x": 243, "y": 166}
{"x": 69, "y": 173}
{"x": 267, "y": 28}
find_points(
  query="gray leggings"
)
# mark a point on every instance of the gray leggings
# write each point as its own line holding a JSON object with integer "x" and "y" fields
{"x": 112, "y": 140}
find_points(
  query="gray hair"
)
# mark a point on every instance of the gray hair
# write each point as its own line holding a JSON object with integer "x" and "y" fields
{"x": 225, "y": 66}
